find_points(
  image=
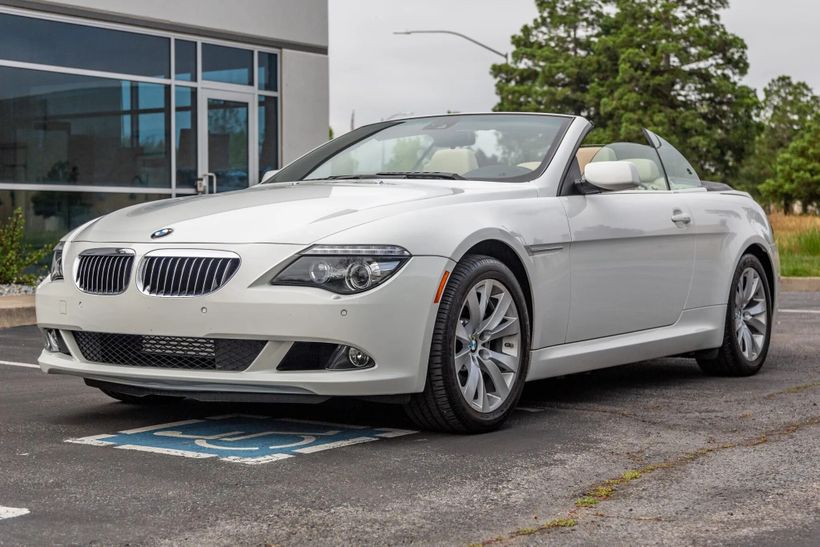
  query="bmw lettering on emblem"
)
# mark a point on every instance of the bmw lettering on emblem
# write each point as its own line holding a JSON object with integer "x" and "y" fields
{"x": 162, "y": 233}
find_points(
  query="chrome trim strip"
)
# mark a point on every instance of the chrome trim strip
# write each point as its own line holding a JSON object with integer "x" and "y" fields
{"x": 543, "y": 248}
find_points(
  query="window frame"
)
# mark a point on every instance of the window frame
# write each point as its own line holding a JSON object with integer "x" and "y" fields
{"x": 252, "y": 89}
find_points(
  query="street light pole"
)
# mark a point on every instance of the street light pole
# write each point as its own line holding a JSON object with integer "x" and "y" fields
{"x": 464, "y": 36}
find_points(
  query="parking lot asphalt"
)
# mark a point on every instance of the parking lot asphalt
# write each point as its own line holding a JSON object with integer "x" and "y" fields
{"x": 649, "y": 453}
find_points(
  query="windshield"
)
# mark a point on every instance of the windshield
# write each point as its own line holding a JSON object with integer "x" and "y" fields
{"x": 495, "y": 147}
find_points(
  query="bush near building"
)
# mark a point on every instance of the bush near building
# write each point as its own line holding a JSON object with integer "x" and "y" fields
{"x": 17, "y": 259}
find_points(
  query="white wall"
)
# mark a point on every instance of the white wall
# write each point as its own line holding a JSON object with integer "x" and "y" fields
{"x": 303, "y": 21}
{"x": 305, "y": 108}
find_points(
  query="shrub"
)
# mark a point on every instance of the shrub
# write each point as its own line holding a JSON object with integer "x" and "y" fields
{"x": 16, "y": 258}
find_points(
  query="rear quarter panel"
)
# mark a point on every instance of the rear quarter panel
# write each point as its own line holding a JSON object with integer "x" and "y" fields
{"x": 726, "y": 224}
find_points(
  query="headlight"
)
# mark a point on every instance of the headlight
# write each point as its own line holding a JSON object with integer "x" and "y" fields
{"x": 57, "y": 262}
{"x": 344, "y": 269}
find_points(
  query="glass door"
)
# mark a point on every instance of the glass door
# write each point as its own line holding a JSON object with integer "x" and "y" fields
{"x": 229, "y": 141}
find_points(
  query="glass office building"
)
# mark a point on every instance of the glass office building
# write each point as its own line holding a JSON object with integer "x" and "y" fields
{"x": 97, "y": 114}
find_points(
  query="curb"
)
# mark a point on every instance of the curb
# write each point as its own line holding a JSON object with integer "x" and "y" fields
{"x": 16, "y": 311}
{"x": 800, "y": 284}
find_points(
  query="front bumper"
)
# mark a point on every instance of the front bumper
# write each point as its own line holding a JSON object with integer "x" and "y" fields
{"x": 392, "y": 323}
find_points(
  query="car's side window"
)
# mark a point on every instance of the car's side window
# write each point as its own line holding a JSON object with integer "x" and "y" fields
{"x": 644, "y": 157}
{"x": 680, "y": 172}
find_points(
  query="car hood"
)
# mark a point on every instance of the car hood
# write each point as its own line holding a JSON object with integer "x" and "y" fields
{"x": 295, "y": 213}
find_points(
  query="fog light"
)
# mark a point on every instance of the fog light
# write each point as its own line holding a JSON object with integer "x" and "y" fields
{"x": 52, "y": 341}
{"x": 358, "y": 358}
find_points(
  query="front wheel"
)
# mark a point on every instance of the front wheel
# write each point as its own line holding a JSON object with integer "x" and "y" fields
{"x": 480, "y": 351}
{"x": 748, "y": 325}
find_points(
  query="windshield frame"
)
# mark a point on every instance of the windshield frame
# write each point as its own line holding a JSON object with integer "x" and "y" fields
{"x": 302, "y": 167}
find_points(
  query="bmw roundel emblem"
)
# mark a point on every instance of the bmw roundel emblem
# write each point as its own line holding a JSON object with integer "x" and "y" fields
{"x": 162, "y": 233}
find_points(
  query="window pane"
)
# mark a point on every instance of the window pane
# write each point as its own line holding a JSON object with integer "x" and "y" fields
{"x": 680, "y": 172}
{"x": 228, "y": 131}
{"x": 50, "y": 215}
{"x": 268, "y": 72}
{"x": 79, "y": 46}
{"x": 227, "y": 64}
{"x": 644, "y": 157}
{"x": 268, "y": 135}
{"x": 186, "y": 137}
{"x": 185, "y": 60}
{"x": 81, "y": 130}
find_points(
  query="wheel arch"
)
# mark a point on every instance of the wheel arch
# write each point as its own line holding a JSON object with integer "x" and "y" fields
{"x": 505, "y": 254}
{"x": 758, "y": 251}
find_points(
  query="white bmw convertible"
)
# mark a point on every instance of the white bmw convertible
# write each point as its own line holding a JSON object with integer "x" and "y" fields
{"x": 439, "y": 262}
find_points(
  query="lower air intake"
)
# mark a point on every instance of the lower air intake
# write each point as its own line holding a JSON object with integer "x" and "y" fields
{"x": 175, "y": 352}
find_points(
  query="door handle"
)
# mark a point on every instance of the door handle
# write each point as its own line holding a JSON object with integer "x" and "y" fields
{"x": 202, "y": 186}
{"x": 680, "y": 217}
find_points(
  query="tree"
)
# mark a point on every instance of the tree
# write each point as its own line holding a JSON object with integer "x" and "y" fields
{"x": 797, "y": 170}
{"x": 553, "y": 63}
{"x": 667, "y": 65}
{"x": 787, "y": 108}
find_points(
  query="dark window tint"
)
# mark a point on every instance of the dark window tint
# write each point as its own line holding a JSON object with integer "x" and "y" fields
{"x": 185, "y": 60}
{"x": 268, "y": 135}
{"x": 680, "y": 172}
{"x": 69, "y": 129}
{"x": 50, "y": 215}
{"x": 65, "y": 44}
{"x": 227, "y": 64}
{"x": 268, "y": 72}
{"x": 186, "y": 137}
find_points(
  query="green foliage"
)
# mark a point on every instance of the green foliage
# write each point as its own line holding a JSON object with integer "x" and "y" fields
{"x": 667, "y": 65}
{"x": 787, "y": 108}
{"x": 15, "y": 256}
{"x": 797, "y": 170}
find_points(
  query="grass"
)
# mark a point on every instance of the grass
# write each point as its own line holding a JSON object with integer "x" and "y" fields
{"x": 798, "y": 241}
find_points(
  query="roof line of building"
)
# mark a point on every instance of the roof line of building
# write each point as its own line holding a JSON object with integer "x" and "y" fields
{"x": 166, "y": 26}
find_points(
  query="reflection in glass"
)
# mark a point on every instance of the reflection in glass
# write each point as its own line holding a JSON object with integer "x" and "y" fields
{"x": 185, "y": 60}
{"x": 81, "y": 130}
{"x": 228, "y": 144}
{"x": 186, "y": 137}
{"x": 79, "y": 46}
{"x": 230, "y": 65}
{"x": 268, "y": 135}
{"x": 268, "y": 72}
{"x": 50, "y": 215}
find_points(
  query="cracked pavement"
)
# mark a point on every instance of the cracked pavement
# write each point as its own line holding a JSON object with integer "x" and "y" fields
{"x": 725, "y": 461}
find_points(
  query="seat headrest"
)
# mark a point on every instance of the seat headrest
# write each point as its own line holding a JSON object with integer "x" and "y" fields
{"x": 453, "y": 160}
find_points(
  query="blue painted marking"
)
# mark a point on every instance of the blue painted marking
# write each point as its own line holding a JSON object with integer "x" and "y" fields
{"x": 241, "y": 438}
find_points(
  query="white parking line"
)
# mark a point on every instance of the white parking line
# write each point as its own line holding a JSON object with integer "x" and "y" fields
{"x": 14, "y": 364}
{"x": 800, "y": 311}
{"x": 11, "y": 512}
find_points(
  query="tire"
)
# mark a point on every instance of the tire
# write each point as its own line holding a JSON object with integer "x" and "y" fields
{"x": 451, "y": 398}
{"x": 744, "y": 355}
{"x": 145, "y": 400}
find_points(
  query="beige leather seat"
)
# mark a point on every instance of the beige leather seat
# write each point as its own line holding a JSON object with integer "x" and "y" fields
{"x": 649, "y": 172}
{"x": 452, "y": 160}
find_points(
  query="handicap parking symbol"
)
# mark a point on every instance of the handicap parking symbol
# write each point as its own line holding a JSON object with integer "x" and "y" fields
{"x": 240, "y": 438}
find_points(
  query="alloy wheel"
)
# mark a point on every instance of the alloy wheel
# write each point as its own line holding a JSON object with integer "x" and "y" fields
{"x": 487, "y": 344}
{"x": 750, "y": 314}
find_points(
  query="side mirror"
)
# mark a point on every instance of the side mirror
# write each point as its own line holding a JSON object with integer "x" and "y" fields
{"x": 612, "y": 175}
{"x": 268, "y": 175}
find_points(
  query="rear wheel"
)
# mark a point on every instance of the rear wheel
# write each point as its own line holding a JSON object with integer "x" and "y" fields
{"x": 480, "y": 351}
{"x": 748, "y": 324}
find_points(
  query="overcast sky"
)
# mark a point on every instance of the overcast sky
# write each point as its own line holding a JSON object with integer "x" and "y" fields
{"x": 379, "y": 74}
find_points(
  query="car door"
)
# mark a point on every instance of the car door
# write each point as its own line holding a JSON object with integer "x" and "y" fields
{"x": 631, "y": 252}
